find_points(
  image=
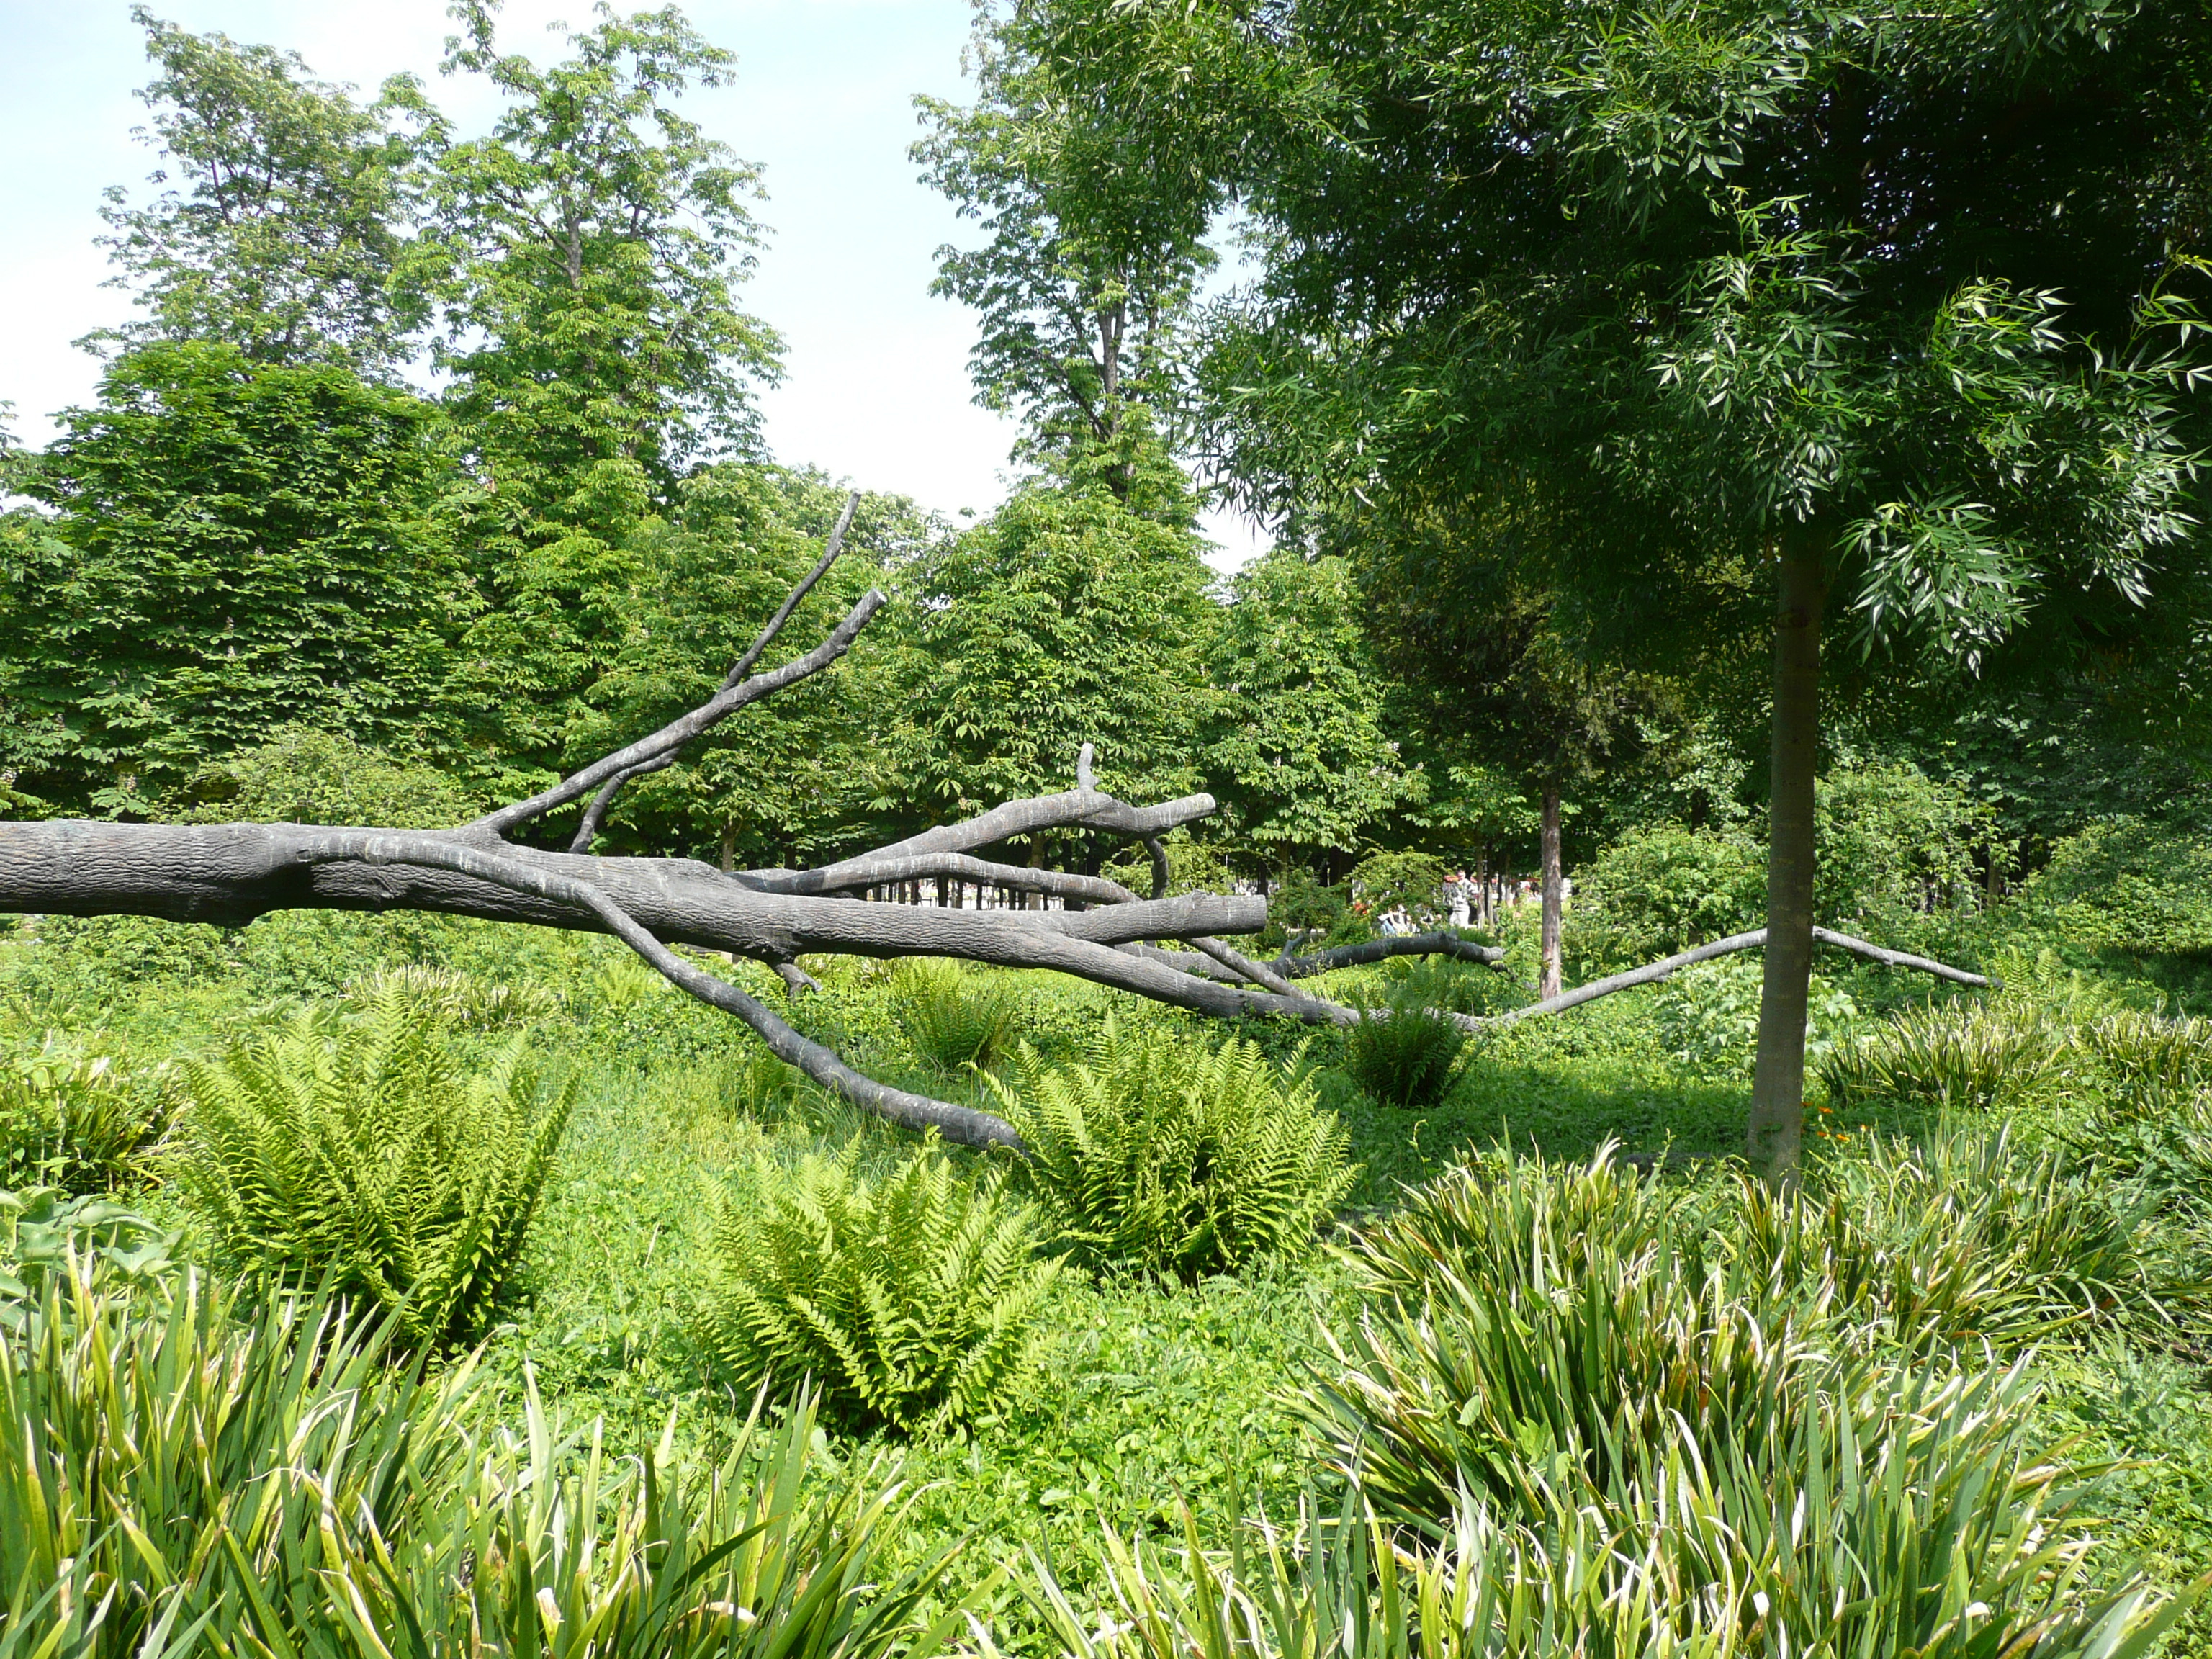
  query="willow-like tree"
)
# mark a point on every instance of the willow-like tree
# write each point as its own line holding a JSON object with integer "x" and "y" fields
{"x": 1877, "y": 313}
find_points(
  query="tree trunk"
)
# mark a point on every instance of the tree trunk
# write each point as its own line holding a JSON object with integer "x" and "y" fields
{"x": 729, "y": 846}
{"x": 1778, "y": 1090}
{"x": 1549, "y": 984}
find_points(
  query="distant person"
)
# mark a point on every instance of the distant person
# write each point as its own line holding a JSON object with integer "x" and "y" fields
{"x": 1456, "y": 898}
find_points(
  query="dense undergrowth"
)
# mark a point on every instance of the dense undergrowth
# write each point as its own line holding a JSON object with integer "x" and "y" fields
{"x": 1523, "y": 1308}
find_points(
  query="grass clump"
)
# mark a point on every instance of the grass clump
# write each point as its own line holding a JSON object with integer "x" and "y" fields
{"x": 1922, "y": 1521}
{"x": 1156, "y": 1151}
{"x": 912, "y": 1298}
{"x": 77, "y": 1121}
{"x": 187, "y": 1459}
{"x": 1406, "y": 1048}
{"x": 215, "y": 1475}
{"x": 2154, "y": 1066}
{"x": 1957, "y": 1056}
{"x": 550, "y": 1547}
{"x": 1961, "y": 1237}
{"x": 1532, "y": 1329}
{"x": 364, "y": 1151}
{"x": 953, "y": 1019}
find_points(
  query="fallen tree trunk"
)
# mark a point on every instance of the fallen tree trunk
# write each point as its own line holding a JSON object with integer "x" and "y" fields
{"x": 1344, "y": 955}
{"x": 231, "y": 873}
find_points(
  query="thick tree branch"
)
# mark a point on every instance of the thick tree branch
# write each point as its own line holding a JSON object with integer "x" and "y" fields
{"x": 1077, "y": 809}
{"x": 1349, "y": 956}
{"x": 1652, "y": 973}
{"x": 1377, "y": 950}
{"x": 871, "y": 870}
{"x": 377, "y": 847}
{"x": 793, "y": 600}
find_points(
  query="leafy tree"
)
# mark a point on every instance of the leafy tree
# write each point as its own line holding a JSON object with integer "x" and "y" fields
{"x": 233, "y": 546}
{"x": 583, "y": 257}
{"x": 1296, "y": 739}
{"x": 1871, "y": 311}
{"x": 1063, "y": 619}
{"x": 1493, "y": 674}
{"x": 1085, "y": 286}
{"x": 284, "y": 213}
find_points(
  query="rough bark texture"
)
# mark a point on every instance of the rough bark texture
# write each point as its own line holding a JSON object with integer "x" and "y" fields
{"x": 1778, "y": 1090}
{"x": 1551, "y": 978}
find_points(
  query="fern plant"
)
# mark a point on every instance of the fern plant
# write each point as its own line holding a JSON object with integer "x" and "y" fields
{"x": 361, "y": 1151}
{"x": 77, "y": 1121}
{"x": 953, "y": 1019}
{"x": 462, "y": 999}
{"x": 1158, "y": 1152}
{"x": 912, "y": 1298}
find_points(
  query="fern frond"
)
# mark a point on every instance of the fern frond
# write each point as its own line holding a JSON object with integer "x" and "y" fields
{"x": 360, "y": 1149}
{"x": 1173, "y": 1157}
{"x": 913, "y": 1299}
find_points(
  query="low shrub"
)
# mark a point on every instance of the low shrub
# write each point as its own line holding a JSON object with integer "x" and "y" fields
{"x": 1157, "y": 1151}
{"x": 1405, "y": 1051}
{"x": 1957, "y": 1056}
{"x": 81, "y": 1122}
{"x": 2127, "y": 884}
{"x": 1708, "y": 1014}
{"x": 952, "y": 1018}
{"x": 912, "y": 1299}
{"x": 1663, "y": 889}
{"x": 362, "y": 1151}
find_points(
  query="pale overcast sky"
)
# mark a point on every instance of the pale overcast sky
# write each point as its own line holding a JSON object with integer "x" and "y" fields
{"x": 876, "y": 386}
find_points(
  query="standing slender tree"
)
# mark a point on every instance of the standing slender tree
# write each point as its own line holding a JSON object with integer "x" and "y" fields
{"x": 583, "y": 258}
{"x": 1879, "y": 313}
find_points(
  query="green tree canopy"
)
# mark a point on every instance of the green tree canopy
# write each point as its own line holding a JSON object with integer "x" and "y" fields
{"x": 584, "y": 257}
{"x": 283, "y": 211}
{"x": 232, "y": 546}
{"x": 1085, "y": 286}
{"x": 1880, "y": 303}
{"x": 1296, "y": 739}
{"x": 802, "y": 773}
{"x": 1062, "y": 619}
